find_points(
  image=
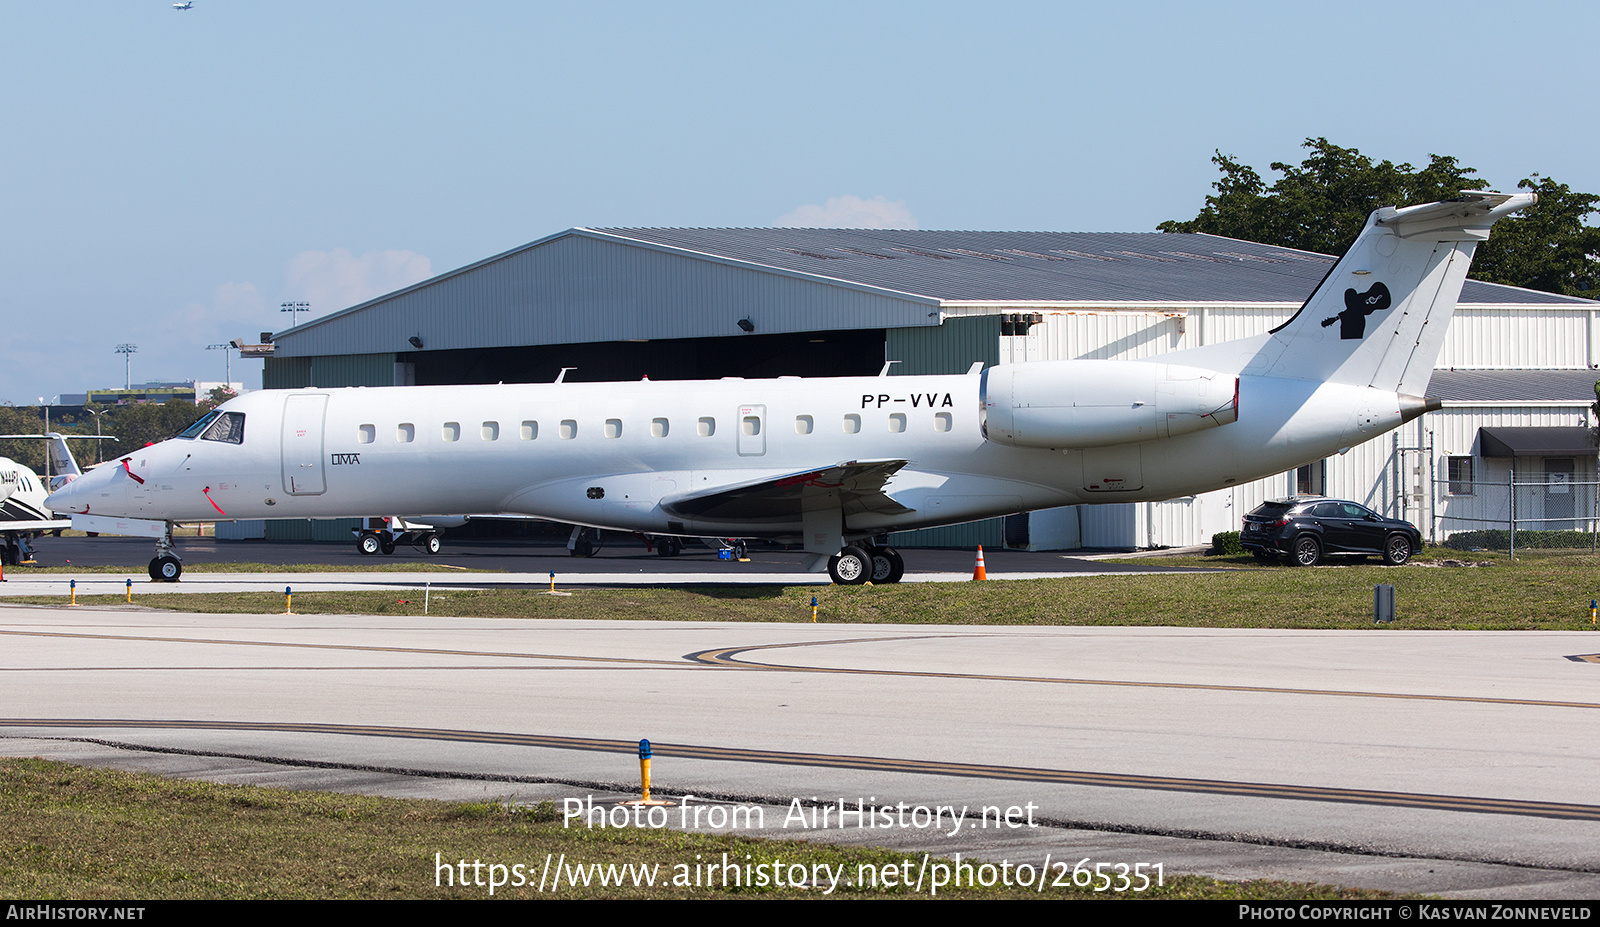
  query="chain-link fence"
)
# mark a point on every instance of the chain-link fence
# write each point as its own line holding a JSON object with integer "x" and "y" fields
{"x": 1544, "y": 511}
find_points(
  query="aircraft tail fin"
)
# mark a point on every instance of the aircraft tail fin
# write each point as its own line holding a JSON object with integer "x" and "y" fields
{"x": 62, "y": 463}
{"x": 1379, "y": 317}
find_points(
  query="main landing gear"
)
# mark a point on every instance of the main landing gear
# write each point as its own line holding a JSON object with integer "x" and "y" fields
{"x": 166, "y": 567}
{"x": 858, "y": 564}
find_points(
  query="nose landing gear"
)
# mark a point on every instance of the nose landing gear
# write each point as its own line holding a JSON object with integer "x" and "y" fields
{"x": 166, "y": 567}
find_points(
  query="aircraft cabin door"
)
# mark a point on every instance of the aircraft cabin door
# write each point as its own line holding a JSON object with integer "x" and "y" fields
{"x": 752, "y": 431}
{"x": 303, "y": 416}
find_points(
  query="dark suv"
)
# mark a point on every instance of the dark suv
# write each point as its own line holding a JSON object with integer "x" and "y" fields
{"x": 1306, "y": 530}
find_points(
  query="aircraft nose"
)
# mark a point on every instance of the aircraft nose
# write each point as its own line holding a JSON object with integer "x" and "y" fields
{"x": 74, "y": 496}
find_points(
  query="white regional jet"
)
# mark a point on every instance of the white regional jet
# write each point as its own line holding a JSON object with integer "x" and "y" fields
{"x": 833, "y": 464}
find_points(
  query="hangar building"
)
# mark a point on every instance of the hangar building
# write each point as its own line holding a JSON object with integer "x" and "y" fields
{"x": 682, "y": 303}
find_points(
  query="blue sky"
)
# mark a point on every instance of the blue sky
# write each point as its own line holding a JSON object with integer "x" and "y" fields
{"x": 169, "y": 178}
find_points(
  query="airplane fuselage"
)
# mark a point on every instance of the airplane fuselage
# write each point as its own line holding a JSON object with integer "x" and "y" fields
{"x": 616, "y": 455}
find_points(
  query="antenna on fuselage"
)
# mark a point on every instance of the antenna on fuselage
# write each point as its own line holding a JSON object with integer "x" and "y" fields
{"x": 563, "y": 374}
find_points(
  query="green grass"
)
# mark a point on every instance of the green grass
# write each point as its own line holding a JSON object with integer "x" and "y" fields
{"x": 1550, "y": 592}
{"x": 70, "y": 832}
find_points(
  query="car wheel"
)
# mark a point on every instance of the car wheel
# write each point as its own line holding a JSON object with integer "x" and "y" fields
{"x": 1307, "y": 551}
{"x": 1396, "y": 550}
{"x": 368, "y": 544}
{"x": 432, "y": 544}
{"x": 386, "y": 543}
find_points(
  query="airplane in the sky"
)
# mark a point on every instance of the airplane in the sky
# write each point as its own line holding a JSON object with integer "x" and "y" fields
{"x": 189, "y": 5}
{"x": 23, "y": 514}
{"x": 833, "y": 464}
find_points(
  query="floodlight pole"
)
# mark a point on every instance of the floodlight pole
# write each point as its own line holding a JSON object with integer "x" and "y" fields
{"x": 127, "y": 351}
{"x": 227, "y": 366}
{"x": 294, "y": 310}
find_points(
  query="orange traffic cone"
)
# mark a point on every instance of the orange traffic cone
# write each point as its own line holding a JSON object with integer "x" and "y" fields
{"x": 978, "y": 572}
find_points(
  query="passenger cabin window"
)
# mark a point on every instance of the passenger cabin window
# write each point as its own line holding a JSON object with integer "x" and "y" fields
{"x": 659, "y": 427}
{"x": 569, "y": 429}
{"x": 366, "y": 434}
{"x": 803, "y": 424}
{"x": 707, "y": 427}
{"x": 852, "y": 424}
{"x": 451, "y": 431}
{"x": 405, "y": 433}
{"x": 897, "y": 422}
{"x": 613, "y": 427}
{"x": 530, "y": 431}
{"x": 942, "y": 421}
{"x": 752, "y": 425}
{"x": 491, "y": 431}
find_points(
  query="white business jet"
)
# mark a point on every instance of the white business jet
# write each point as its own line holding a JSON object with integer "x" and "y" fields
{"x": 23, "y": 513}
{"x": 832, "y": 464}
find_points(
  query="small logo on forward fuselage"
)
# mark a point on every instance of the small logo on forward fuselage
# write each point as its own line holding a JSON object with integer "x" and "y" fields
{"x": 1357, "y": 306}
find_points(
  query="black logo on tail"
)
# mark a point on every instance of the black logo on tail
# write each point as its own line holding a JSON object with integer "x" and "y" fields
{"x": 1357, "y": 306}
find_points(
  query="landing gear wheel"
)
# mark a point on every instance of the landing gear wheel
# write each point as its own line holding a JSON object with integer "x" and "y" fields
{"x": 368, "y": 544}
{"x": 668, "y": 547}
{"x": 850, "y": 567}
{"x": 587, "y": 544}
{"x": 1307, "y": 552}
{"x": 386, "y": 543}
{"x": 432, "y": 544}
{"x": 887, "y": 565}
{"x": 166, "y": 569}
{"x": 1396, "y": 550}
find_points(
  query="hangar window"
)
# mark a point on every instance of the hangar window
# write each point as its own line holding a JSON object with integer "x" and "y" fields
{"x": 852, "y": 424}
{"x": 451, "y": 431}
{"x": 530, "y": 430}
{"x": 802, "y": 424}
{"x": 942, "y": 422}
{"x": 569, "y": 429}
{"x": 405, "y": 433}
{"x": 613, "y": 427}
{"x": 1460, "y": 472}
{"x": 707, "y": 426}
{"x": 1311, "y": 479}
{"x": 897, "y": 422}
{"x": 658, "y": 427}
{"x": 367, "y": 434}
{"x": 491, "y": 431}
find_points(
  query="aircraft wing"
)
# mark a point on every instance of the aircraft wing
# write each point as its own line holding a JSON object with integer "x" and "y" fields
{"x": 858, "y": 483}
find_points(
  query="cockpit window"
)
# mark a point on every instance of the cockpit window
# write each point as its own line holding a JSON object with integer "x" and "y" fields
{"x": 193, "y": 431}
{"x": 227, "y": 427}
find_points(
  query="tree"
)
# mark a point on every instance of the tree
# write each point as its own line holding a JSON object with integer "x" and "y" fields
{"x": 1321, "y": 205}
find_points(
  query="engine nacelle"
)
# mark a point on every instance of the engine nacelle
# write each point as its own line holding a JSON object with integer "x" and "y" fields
{"x": 1094, "y": 403}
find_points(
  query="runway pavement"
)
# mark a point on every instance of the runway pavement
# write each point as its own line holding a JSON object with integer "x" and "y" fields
{"x": 1456, "y": 763}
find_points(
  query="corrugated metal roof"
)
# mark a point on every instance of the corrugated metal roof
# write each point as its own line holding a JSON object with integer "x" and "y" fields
{"x": 1037, "y": 266}
{"x": 1517, "y": 386}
